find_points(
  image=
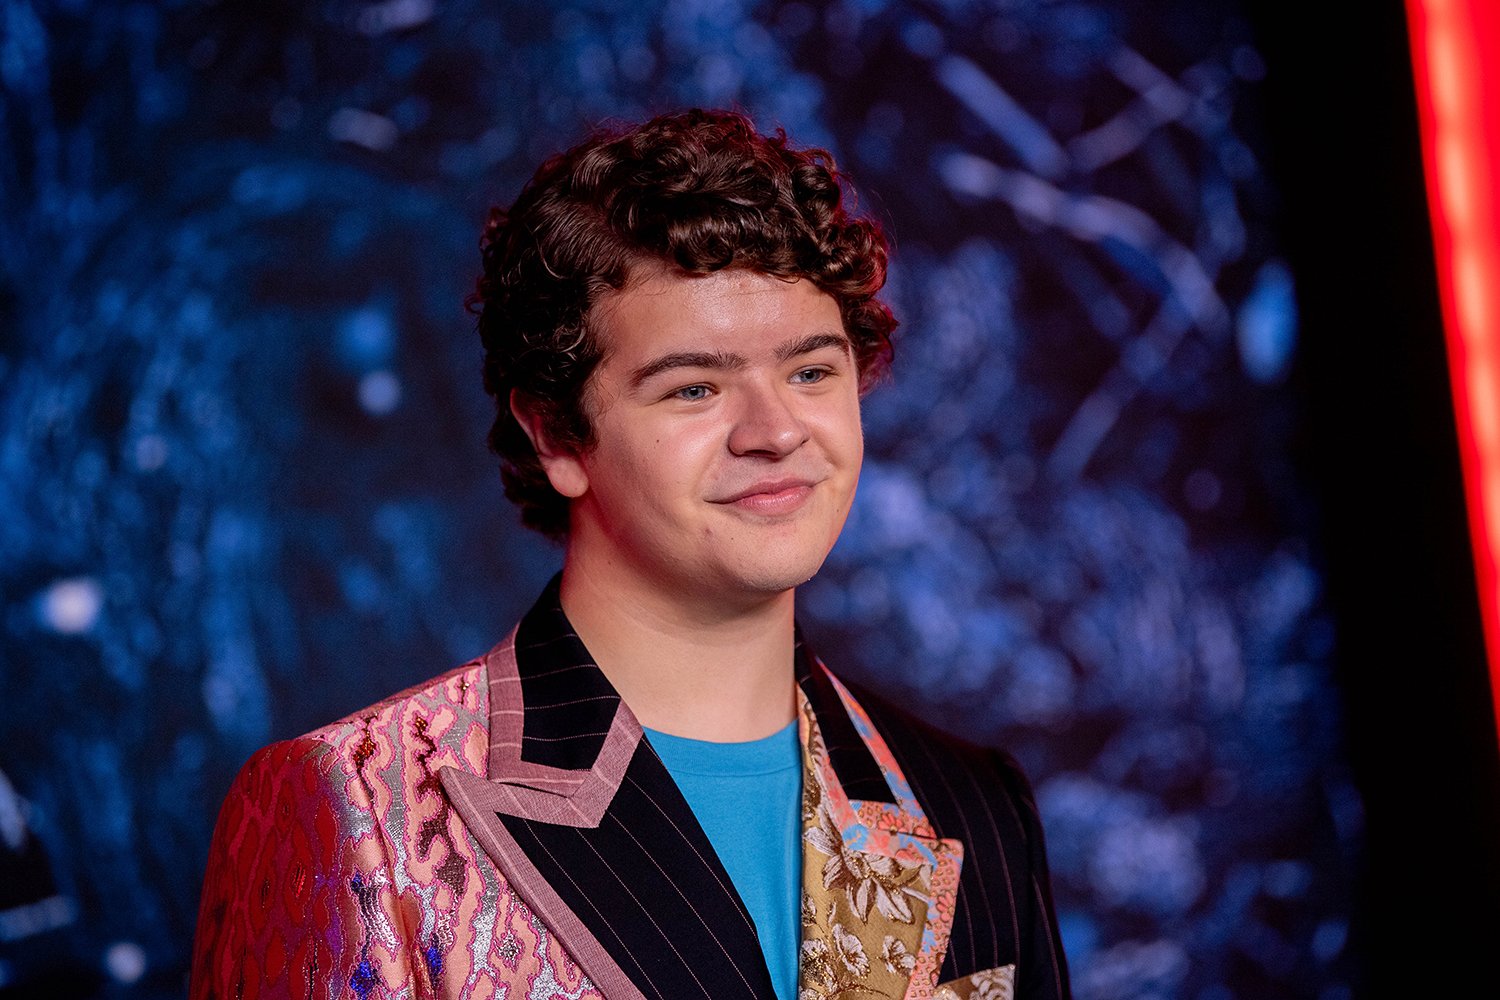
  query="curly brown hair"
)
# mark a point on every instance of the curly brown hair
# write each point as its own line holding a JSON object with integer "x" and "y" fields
{"x": 696, "y": 191}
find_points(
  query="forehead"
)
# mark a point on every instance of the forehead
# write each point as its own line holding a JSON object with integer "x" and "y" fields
{"x": 747, "y": 311}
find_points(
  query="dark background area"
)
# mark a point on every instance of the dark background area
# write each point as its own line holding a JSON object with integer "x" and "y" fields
{"x": 1380, "y": 446}
{"x": 1164, "y": 496}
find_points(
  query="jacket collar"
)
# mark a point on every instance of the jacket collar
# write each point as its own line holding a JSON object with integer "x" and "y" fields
{"x": 877, "y": 880}
{"x": 878, "y": 883}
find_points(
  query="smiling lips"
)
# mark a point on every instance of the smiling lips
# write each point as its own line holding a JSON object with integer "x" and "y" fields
{"x": 779, "y": 496}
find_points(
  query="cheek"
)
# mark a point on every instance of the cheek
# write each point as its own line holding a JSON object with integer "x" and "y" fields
{"x": 654, "y": 469}
{"x": 686, "y": 454}
{"x": 843, "y": 434}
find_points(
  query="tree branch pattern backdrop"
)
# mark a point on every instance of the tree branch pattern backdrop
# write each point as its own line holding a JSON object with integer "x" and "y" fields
{"x": 245, "y": 489}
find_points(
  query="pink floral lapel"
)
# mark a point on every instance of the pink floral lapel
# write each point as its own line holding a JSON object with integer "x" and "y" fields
{"x": 514, "y": 787}
{"x": 878, "y": 884}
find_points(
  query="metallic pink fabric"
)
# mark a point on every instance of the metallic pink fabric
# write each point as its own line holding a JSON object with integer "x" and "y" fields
{"x": 339, "y": 869}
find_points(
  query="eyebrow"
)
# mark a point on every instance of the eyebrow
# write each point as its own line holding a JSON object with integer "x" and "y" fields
{"x": 726, "y": 361}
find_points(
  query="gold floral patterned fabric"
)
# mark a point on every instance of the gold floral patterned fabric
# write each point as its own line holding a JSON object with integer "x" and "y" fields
{"x": 991, "y": 984}
{"x": 877, "y": 886}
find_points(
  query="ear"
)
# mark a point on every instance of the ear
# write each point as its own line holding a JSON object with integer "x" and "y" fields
{"x": 563, "y": 466}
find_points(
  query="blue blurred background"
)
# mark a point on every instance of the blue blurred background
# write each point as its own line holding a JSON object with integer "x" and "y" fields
{"x": 244, "y": 490}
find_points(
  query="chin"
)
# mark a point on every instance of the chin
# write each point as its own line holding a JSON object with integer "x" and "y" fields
{"x": 775, "y": 583}
{"x": 764, "y": 576}
{"x": 762, "y": 563}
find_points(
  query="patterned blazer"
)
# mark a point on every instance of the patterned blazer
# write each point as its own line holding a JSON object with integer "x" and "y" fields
{"x": 505, "y": 831}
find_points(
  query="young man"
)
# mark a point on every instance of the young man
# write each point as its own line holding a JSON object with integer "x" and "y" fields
{"x": 651, "y": 788}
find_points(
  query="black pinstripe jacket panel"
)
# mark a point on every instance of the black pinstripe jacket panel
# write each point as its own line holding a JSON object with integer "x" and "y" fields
{"x": 586, "y": 824}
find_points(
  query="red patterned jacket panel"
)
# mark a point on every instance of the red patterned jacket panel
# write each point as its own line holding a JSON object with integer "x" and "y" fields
{"x": 336, "y": 852}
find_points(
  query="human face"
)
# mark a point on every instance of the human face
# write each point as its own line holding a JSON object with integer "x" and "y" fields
{"x": 727, "y": 436}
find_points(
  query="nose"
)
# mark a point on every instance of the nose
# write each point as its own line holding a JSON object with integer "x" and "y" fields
{"x": 767, "y": 424}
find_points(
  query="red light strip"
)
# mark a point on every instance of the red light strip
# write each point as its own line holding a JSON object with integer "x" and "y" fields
{"x": 1456, "y": 58}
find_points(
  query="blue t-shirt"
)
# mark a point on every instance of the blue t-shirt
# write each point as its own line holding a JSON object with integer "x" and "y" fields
{"x": 748, "y": 799}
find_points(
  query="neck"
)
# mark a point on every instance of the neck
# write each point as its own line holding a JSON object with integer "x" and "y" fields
{"x": 687, "y": 667}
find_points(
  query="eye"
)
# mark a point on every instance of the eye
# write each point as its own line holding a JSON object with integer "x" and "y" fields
{"x": 810, "y": 376}
{"x": 691, "y": 393}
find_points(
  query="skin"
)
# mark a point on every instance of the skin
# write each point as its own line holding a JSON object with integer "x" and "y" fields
{"x": 727, "y": 451}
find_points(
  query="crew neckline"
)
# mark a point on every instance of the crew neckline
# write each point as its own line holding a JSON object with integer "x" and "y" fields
{"x": 781, "y": 751}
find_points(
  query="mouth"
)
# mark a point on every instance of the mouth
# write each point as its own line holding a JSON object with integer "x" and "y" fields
{"x": 772, "y": 496}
